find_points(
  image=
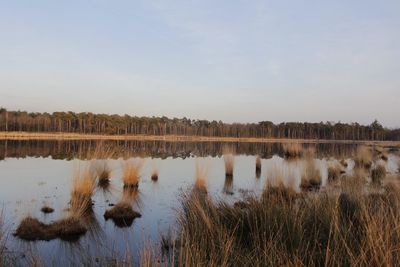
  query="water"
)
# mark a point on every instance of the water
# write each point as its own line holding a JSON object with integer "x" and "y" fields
{"x": 34, "y": 173}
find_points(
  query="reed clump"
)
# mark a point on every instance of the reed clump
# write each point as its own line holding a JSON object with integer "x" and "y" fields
{"x": 311, "y": 176}
{"x": 83, "y": 188}
{"x": 122, "y": 214}
{"x": 335, "y": 170}
{"x": 284, "y": 228}
{"x": 103, "y": 172}
{"x": 378, "y": 173}
{"x": 132, "y": 172}
{"x": 68, "y": 229}
{"x": 363, "y": 158}
{"x": 201, "y": 177}
{"x": 258, "y": 164}
{"x": 229, "y": 161}
{"x": 292, "y": 150}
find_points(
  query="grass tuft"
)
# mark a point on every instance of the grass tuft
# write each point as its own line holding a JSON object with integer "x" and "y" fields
{"x": 132, "y": 172}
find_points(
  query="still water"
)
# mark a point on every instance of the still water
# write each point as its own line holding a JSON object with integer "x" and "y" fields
{"x": 37, "y": 173}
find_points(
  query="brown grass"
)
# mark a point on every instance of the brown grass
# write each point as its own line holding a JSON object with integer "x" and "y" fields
{"x": 83, "y": 187}
{"x": 292, "y": 150}
{"x": 378, "y": 173}
{"x": 131, "y": 172}
{"x": 103, "y": 172}
{"x": 363, "y": 157}
{"x": 311, "y": 176}
{"x": 335, "y": 170}
{"x": 201, "y": 176}
{"x": 283, "y": 228}
{"x": 229, "y": 161}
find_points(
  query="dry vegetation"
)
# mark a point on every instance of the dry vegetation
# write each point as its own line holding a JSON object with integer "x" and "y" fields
{"x": 131, "y": 172}
{"x": 363, "y": 158}
{"x": 311, "y": 176}
{"x": 201, "y": 176}
{"x": 283, "y": 228}
{"x": 84, "y": 184}
{"x": 292, "y": 150}
{"x": 229, "y": 161}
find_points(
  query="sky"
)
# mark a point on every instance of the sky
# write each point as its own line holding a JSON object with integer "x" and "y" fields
{"x": 229, "y": 60}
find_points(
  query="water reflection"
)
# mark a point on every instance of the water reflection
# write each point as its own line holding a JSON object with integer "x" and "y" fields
{"x": 85, "y": 149}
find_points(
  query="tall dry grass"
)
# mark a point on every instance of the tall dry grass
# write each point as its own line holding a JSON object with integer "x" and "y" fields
{"x": 363, "y": 157}
{"x": 83, "y": 187}
{"x": 201, "y": 176}
{"x": 292, "y": 150}
{"x": 283, "y": 228}
{"x": 229, "y": 161}
{"x": 311, "y": 176}
{"x": 131, "y": 172}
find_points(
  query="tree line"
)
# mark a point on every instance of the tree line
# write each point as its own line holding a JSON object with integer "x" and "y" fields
{"x": 90, "y": 123}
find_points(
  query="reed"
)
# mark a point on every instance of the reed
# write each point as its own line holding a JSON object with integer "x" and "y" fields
{"x": 201, "y": 176}
{"x": 103, "y": 172}
{"x": 292, "y": 150}
{"x": 311, "y": 176}
{"x": 363, "y": 158}
{"x": 258, "y": 166}
{"x": 229, "y": 161}
{"x": 378, "y": 173}
{"x": 83, "y": 188}
{"x": 283, "y": 228}
{"x": 131, "y": 172}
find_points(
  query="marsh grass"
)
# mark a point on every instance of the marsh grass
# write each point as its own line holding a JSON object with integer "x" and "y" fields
{"x": 378, "y": 173}
{"x": 335, "y": 170}
{"x": 311, "y": 175}
{"x": 83, "y": 187}
{"x": 131, "y": 172}
{"x": 292, "y": 150}
{"x": 284, "y": 228}
{"x": 201, "y": 176}
{"x": 229, "y": 161}
{"x": 363, "y": 158}
{"x": 103, "y": 172}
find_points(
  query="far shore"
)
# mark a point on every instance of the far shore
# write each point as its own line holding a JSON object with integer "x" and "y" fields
{"x": 175, "y": 138}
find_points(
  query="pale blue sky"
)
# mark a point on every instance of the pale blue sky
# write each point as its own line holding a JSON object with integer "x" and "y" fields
{"x": 243, "y": 61}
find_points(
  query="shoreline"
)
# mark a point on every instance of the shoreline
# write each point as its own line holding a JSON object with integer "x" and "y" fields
{"x": 176, "y": 138}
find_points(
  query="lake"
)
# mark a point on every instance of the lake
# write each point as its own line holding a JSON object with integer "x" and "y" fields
{"x": 37, "y": 173}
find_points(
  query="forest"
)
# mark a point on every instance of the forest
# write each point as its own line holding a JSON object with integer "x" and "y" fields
{"x": 90, "y": 123}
